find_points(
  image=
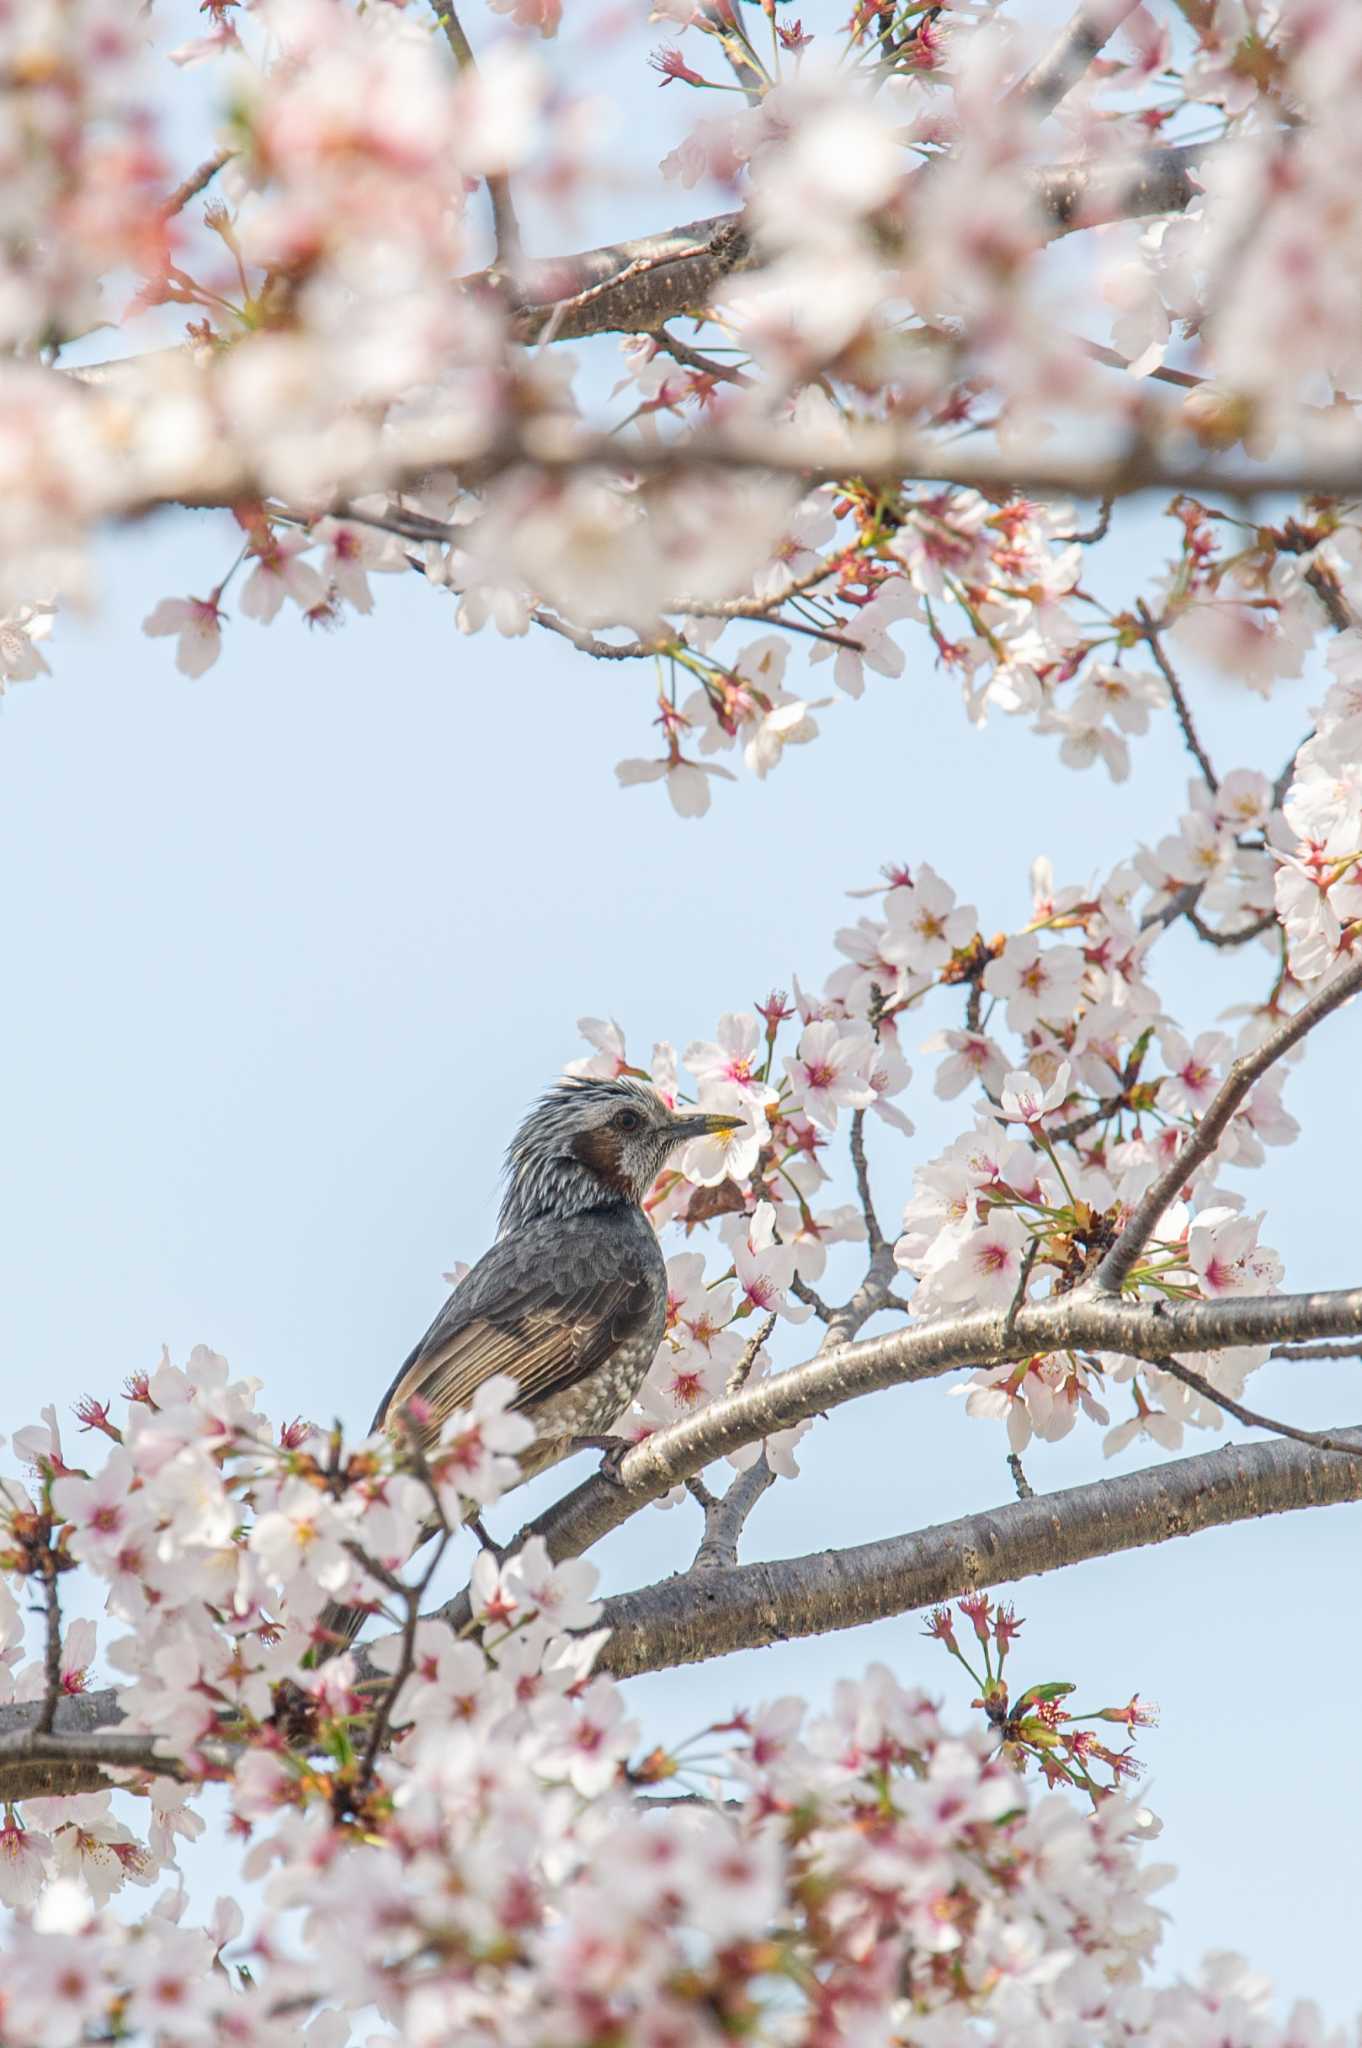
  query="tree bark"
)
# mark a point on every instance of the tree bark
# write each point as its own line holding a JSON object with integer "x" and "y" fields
{"x": 699, "y": 1615}
{"x": 844, "y": 1372}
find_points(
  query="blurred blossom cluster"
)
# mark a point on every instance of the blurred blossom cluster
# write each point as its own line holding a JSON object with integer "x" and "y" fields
{"x": 363, "y": 393}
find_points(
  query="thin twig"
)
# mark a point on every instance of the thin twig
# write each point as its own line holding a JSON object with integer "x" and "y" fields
{"x": 196, "y": 182}
{"x": 435, "y": 1524}
{"x": 1113, "y": 360}
{"x": 1079, "y": 1126}
{"x": 802, "y": 1291}
{"x": 742, "y": 1371}
{"x": 1202, "y": 1141}
{"x": 1178, "y": 904}
{"x": 1025, "y": 1490}
{"x": 1028, "y": 1260}
{"x": 634, "y": 650}
{"x": 874, "y": 1235}
{"x": 1180, "y": 704}
{"x": 691, "y": 359}
{"x": 52, "y": 1657}
{"x": 1303, "y": 1351}
{"x": 505, "y": 225}
{"x": 1317, "y": 1439}
{"x": 1239, "y": 937}
{"x": 1090, "y": 534}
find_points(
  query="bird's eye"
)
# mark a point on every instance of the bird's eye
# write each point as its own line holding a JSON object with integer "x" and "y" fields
{"x": 629, "y": 1120}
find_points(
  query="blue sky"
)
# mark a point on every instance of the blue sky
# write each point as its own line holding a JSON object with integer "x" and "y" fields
{"x": 290, "y": 947}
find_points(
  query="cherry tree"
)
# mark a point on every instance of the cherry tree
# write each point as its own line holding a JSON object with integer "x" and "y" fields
{"x": 856, "y": 415}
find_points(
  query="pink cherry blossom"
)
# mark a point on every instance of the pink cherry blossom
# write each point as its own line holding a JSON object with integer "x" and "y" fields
{"x": 198, "y": 623}
{"x": 1035, "y": 983}
{"x": 829, "y": 1072}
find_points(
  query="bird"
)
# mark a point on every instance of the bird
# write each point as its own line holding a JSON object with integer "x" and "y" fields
{"x": 571, "y": 1298}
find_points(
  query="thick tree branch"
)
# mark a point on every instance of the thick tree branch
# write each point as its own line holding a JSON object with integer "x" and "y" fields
{"x": 845, "y": 1371}
{"x": 686, "y": 1620}
{"x": 875, "y": 452}
{"x": 704, "y": 1614}
{"x": 35, "y": 1763}
{"x": 687, "y": 263}
{"x": 1246, "y": 1070}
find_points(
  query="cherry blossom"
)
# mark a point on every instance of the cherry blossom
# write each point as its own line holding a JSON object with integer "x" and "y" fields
{"x": 20, "y": 632}
{"x": 828, "y": 1072}
{"x": 197, "y": 621}
{"x": 1035, "y": 983}
{"x": 925, "y": 922}
{"x": 763, "y": 1268}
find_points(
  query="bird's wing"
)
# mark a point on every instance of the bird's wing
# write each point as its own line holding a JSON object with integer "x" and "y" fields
{"x": 547, "y": 1306}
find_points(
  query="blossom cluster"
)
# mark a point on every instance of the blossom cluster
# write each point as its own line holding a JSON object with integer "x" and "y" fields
{"x": 1319, "y": 879}
{"x": 469, "y": 1836}
{"x": 1078, "y": 1087}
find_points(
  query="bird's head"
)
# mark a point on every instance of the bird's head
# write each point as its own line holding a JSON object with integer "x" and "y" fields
{"x": 589, "y": 1143}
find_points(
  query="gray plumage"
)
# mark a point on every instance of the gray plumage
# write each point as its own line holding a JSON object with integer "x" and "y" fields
{"x": 571, "y": 1299}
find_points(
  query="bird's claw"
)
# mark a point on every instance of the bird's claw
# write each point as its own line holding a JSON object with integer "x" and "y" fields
{"x": 615, "y": 1448}
{"x": 475, "y": 1524}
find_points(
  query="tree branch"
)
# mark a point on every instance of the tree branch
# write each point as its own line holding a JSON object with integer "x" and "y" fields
{"x": 196, "y": 182}
{"x": 699, "y": 254}
{"x": 874, "y": 1235}
{"x": 1249, "y": 1068}
{"x": 727, "y": 29}
{"x": 685, "y": 1620}
{"x": 873, "y": 451}
{"x": 726, "y": 1515}
{"x": 37, "y": 1763}
{"x": 1078, "y": 42}
{"x": 845, "y": 1371}
{"x": 1180, "y": 705}
{"x": 504, "y": 223}
{"x": 52, "y": 1691}
{"x": 1199, "y": 1384}
{"x": 707, "y": 1614}
{"x": 692, "y": 359}
{"x": 1304, "y": 1351}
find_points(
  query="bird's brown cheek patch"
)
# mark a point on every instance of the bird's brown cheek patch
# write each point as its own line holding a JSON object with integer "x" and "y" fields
{"x": 599, "y": 1151}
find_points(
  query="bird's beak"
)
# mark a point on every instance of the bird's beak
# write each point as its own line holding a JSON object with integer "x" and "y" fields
{"x": 704, "y": 1124}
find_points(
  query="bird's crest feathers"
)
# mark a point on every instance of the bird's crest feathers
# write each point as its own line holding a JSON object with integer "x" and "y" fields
{"x": 585, "y": 1144}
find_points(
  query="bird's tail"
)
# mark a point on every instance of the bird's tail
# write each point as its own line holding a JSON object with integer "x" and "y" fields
{"x": 337, "y": 1626}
